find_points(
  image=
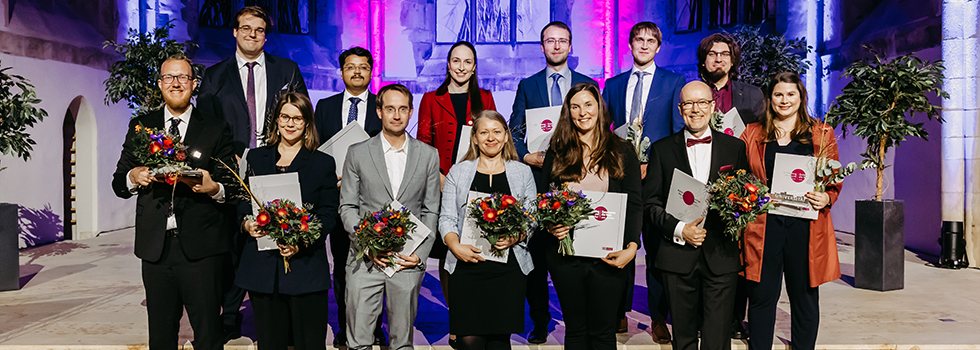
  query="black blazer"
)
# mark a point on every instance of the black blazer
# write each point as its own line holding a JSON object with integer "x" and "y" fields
{"x": 721, "y": 253}
{"x": 330, "y": 118}
{"x": 629, "y": 184}
{"x": 203, "y": 224}
{"x": 748, "y": 100}
{"x": 222, "y": 94}
{"x": 309, "y": 268}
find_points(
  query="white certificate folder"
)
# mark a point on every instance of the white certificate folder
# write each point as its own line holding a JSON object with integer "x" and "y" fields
{"x": 792, "y": 178}
{"x": 271, "y": 187}
{"x": 602, "y": 233}
{"x": 732, "y": 124}
{"x": 687, "y": 199}
{"x": 540, "y": 124}
{"x": 415, "y": 239}
{"x": 472, "y": 234}
{"x": 337, "y": 145}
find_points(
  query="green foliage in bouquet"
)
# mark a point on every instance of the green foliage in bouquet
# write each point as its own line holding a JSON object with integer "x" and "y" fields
{"x": 634, "y": 134}
{"x": 499, "y": 216}
{"x": 383, "y": 230}
{"x": 288, "y": 223}
{"x": 18, "y": 111}
{"x": 563, "y": 207}
{"x": 739, "y": 197}
{"x": 161, "y": 152}
{"x": 715, "y": 122}
{"x": 766, "y": 55}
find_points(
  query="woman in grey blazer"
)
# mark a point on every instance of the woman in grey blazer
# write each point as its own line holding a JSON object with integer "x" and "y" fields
{"x": 480, "y": 286}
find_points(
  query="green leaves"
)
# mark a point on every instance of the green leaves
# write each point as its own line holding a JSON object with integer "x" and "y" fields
{"x": 766, "y": 55}
{"x": 18, "y": 111}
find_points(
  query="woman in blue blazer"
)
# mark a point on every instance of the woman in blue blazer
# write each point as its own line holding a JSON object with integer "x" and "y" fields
{"x": 297, "y": 299}
{"x": 478, "y": 285}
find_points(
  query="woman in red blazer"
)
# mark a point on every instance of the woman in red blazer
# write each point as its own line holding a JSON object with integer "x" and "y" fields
{"x": 443, "y": 112}
{"x": 804, "y": 251}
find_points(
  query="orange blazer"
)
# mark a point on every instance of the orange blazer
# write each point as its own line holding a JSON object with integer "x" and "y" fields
{"x": 824, "y": 264}
{"x": 437, "y": 124}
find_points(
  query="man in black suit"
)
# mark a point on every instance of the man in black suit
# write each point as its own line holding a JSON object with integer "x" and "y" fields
{"x": 719, "y": 57}
{"x": 355, "y": 105}
{"x": 700, "y": 266}
{"x": 182, "y": 230}
{"x": 243, "y": 90}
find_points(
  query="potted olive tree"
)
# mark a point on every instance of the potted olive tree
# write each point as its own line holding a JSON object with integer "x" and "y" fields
{"x": 877, "y": 105}
{"x": 18, "y": 111}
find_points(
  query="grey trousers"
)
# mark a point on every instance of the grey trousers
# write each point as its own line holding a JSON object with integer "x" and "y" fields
{"x": 367, "y": 288}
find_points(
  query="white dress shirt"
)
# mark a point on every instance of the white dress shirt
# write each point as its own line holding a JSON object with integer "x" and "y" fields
{"x": 699, "y": 156}
{"x": 261, "y": 92}
{"x": 631, "y": 85}
{"x": 395, "y": 160}
{"x": 564, "y": 83}
{"x": 361, "y": 108}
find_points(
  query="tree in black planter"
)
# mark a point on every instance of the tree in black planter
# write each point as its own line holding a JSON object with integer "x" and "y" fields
{"x": 766, "y": 55}
{"x": 134, "y": 79}
{"x": 877, "y": 105}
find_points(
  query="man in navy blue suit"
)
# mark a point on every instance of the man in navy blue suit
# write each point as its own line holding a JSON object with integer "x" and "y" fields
{"x": 543, "y": 89}
{"x": 650, "y": 94}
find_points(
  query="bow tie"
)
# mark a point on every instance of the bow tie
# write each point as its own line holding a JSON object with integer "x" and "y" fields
{"x": 692, "y": 142}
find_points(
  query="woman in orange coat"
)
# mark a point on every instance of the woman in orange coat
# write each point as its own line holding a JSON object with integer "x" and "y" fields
{"x": 805, "y": 251}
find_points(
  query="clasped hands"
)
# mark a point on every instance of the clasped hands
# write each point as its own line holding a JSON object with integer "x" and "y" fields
{"x": 406, "y": 262}
{"x": 141, "y": 176}
{"x": 617, "y": 259}
{"x": 253, "y": 230}
{"x": 469, "y": 253}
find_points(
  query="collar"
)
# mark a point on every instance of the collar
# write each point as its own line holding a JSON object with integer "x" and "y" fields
{"x": 184, "y": 118}
{"x": 363, "y": 96}
{"x": 652, "y": 69}
{"x": 726, "y": 87}
{"x": 564, "y": 72}
{"x": 688, "y": 135}
{"x": 241, "y": 61}
{"x": 385, "y": 146}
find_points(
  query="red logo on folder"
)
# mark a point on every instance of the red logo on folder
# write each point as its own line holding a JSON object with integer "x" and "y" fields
{"x": 600, "y": 213}
{"x": 546, "y": 125}
{"x": 729, "y": 132}
{"x": 688, "y": 198}
{"x": 798, "y": 175}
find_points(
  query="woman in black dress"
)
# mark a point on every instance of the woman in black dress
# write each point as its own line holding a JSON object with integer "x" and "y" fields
{"x": 297, "y": 299}
{"x": 488, "y": 297}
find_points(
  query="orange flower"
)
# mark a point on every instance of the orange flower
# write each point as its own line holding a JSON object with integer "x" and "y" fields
{"x": 155, "y": 147}
{"x": 282, "y": 212}
{"x": 753, "y": 197}
{"x": 751, "y": 188}
{"x": 305, "y": 226}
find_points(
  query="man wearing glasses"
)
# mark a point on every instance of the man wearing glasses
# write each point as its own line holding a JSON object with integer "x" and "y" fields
{"x": 355, "y": 105}
{"x": 700, "y": 265}
{"x": 545, "y": 88}
{"x": 241, "y": 90}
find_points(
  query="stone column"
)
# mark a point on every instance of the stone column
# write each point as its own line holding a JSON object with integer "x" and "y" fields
{"x": 960, "y": 167}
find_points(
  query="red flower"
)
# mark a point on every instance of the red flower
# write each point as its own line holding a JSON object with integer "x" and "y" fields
{"x": 296, "y": 210}
{"x": 284, "y": 226}
{"x": 305, "y": 218}
{"x": 751, "y": 187}
{"x": 181, "y": 156}
{"x": 399, "y": 231}
{"x": 507, "y": 201}
{"x": 484, "y": 206}
{"x": 556, "y": 205}
{"x": 168, "y": 143}
{"x": 282, "y": 212}
{"x": 379, "y": 226}
{"x": 155, "y": 147}
{"x": 543, "y": 204}
{"x": 263, "y": 218}
{"x": 490, "y": 215}
{"x": 304, "y": 226}
{"x": 170, "y": 179}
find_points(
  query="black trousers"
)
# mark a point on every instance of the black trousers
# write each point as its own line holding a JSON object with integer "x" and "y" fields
{"x": 656, "y": 293}
{"x": 307, "y": 314}
{"x": 232, "y": 296}
{"x": 537, "y": 294}
{"x": 786, "y": 251}
{"x": 174, "y": 283}
{"x": 589, "y": 291}
{"x": 701, "y": 301}
{"x": 339, "y": 249}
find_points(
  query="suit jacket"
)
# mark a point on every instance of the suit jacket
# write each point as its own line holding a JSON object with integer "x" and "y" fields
{"x": 720, "y": 251}
{"x": 331, "y": 118}
{"x": 454, "y": 195}
{"x": 661, "y": 117}
{"x": 203, "y": 224}
{"x": 366, "y": 188}
{"x": 437, "y": 124}
{"x": 824, "y": 263}
{"x": 748, "y": 100}
{"x": 222, "y": 94}
{"x": 629, "y": 184}
{"x": 260, "y": 270}
{"x": 532, "y": 92}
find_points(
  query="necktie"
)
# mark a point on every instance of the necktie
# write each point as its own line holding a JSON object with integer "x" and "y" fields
{"x": 555, "y": 90}
{"x": 637, "y": 108}
{"x": 250, "y": 102}
{"x": 705, "y": 140}
{"x": 352, "y": 113}
{"x": 173, "y": 130}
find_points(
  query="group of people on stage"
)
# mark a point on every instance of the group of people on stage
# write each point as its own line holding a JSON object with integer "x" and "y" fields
{"x": 199, "y": 252}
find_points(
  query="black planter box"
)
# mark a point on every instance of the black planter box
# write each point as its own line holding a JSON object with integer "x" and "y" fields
{"x": 9, "y": 254}
{"x": 879, "y": 245}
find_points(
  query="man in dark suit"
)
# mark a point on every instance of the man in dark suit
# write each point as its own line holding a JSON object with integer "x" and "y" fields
{"x": 182, "y": 230}
{"x": 543, "y": 89}
{"x": 651, "y": 94}
{"x": 718, "y": 59}
{"x": 355, "y": 105}
{"x": 242, "y": 90}
{"x": 700, "y": 266}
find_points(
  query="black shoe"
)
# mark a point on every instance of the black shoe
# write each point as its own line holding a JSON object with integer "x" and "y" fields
{"x": 340, "y": 340}
{"x": 739, "y": 331}
{"x": 231, "y": 335}
{"x": 537, "y": 337}
{"x": 452, "y": 343}
{"x": 379, "y": 337}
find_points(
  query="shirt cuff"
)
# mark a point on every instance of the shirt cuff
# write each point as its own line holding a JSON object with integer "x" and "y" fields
{"x": 130, "y": 185}
{"x": 679, "y": 233}
{"x": 220, "y": 195}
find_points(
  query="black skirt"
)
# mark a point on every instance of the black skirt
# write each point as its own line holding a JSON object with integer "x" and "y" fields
{"x": 487, "y": 298}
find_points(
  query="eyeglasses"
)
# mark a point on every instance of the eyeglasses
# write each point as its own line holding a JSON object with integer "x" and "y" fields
{"x": 168, "y": 78}
{"x": 351, "y": 67}
{"x": 248, "y": 30}
{"x": 552, "y": 41}
{"x": 723, "y": 54}
{"x": 285, "y": 119}
{"x": 401, "y": 110}
{"x": 703, "y": 104}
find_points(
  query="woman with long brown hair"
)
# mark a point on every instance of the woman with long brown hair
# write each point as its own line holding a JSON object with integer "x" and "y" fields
{"x": 804, "y": 251}
{"x": 584, "y": 153}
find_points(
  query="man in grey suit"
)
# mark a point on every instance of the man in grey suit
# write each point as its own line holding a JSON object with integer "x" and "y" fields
{"x": 384, "y": 168}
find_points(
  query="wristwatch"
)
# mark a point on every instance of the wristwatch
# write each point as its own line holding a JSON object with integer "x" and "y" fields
{"x": 421, "y": 265}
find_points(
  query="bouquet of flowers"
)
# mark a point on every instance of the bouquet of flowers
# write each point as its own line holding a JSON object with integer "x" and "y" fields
{"x": 161, "y": 152}
{"x": 383, "y": 230}
{"x": 563, "y": 207}
{"x": 499, "y": 216}
{"x": 739, "y": 197}
{"x": 288, "y": 224}
{"x": 716, "y": 123}
{"x": 634, "y": 134}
